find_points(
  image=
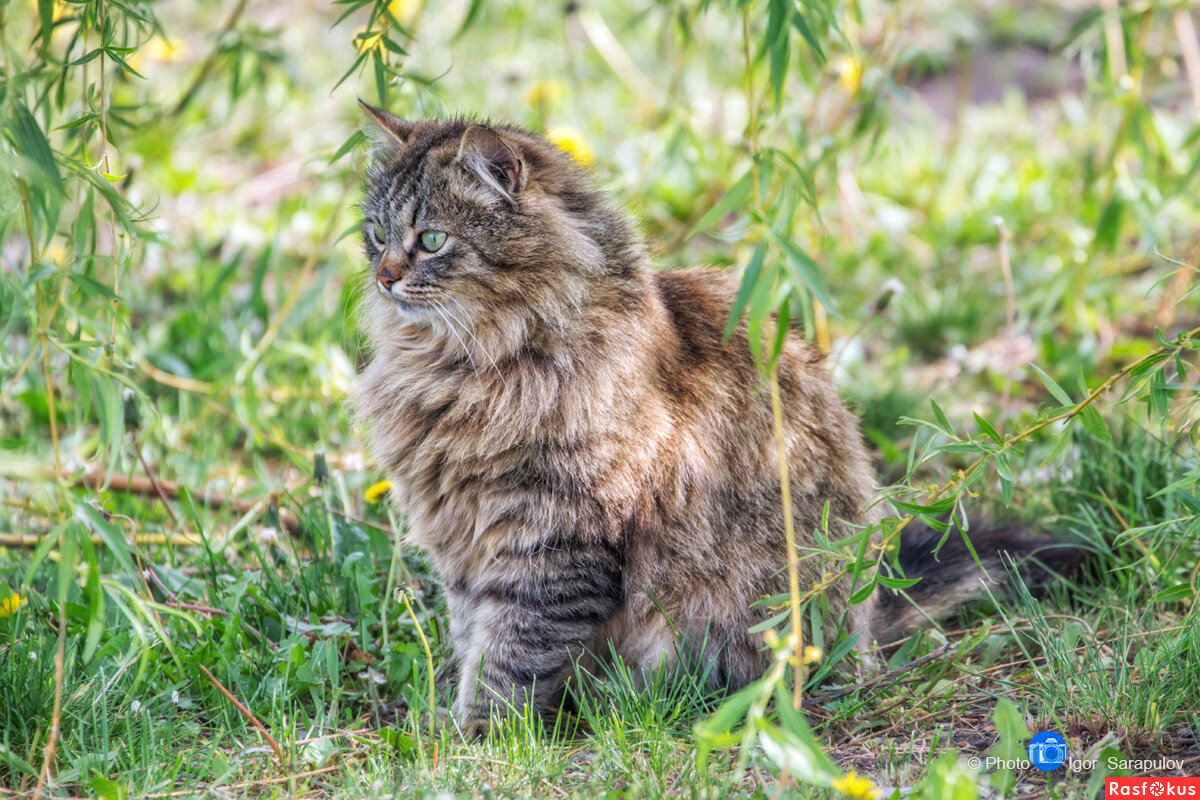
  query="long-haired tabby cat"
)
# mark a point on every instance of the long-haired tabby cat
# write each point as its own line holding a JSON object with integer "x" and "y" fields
{"x": 590, "y": 466}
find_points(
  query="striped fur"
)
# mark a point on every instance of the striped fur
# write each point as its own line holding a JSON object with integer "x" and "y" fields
{"x": 584, "y": 458}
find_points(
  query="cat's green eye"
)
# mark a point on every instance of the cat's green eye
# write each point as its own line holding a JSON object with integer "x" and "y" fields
{"x": 378, "y": 234}
{"x": 432, "y": 241}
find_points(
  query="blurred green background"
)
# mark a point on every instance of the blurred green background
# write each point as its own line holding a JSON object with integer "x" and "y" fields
{"x": 949, "y": 196}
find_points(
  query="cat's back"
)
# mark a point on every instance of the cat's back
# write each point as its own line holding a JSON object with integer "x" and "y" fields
{"x": 702, "y": 367}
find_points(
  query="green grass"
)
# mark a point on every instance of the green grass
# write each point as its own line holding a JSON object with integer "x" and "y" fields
{"x": 226, "y": 235}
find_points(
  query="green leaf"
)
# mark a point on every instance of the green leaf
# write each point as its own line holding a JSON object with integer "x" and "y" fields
{"x": 864, "y": 592}
{"x": 1094, "y": 423}
{"x": 45, "y": 21}
{"x": 1173, "y": 594}
{"x": 16, "y": 764}
{"x": 778, "y": 74}
{"x": 749, "y": 283}
{"x": 108, "y": 533}
{"x": 469, "y": 20}
{"x": 771, "y": 622}
{"x": 33, "y": 146}
{"x": 807, "y": 272}
{"x": 898, "y": 583}
{"x": 1004, "y": 470}
{"x": 777, "y": 12}
{"x": 719, "y": 730}
{"x": 781, "y": 330}
{"x": 1110, "y": 224}
{"x": 943, "y": 423}
{"x": 778, "y": 45}
{"x": 806, "y": 33}
{"x": 1052, "y": 386}
{"x": 356, "y": 138}
{"x": 107, "y": 789}
{"x": 988, "y": 429}
{"x": 733, "y": 198}
{"x": 95, "y": 595}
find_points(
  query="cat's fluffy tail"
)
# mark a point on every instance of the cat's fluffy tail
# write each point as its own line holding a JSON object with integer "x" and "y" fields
{"x": 951, "y": 578}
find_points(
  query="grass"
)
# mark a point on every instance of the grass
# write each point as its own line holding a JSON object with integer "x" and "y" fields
{"x": 220, "y": 370}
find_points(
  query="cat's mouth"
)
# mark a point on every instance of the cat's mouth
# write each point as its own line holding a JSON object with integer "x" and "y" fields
{"x": 419, "y": 303}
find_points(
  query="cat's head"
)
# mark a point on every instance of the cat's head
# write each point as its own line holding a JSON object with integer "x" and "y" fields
{"x": 474, "y": 227}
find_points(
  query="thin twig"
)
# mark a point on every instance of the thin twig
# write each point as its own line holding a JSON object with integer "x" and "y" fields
{"x": 162, "y": 495}
{"x": 251, "y": 784}
{"x": 8, "y": 539}
{"x": 136, "y": 484}
{"x": 886, "y": 678}
{"x": 246, "y": 713}
{"x": 51, "y": 749}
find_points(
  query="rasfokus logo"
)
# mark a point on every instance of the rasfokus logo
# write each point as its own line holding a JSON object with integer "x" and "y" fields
{"x": 1047, "y": 750}
{"x": 1152, "y": 788}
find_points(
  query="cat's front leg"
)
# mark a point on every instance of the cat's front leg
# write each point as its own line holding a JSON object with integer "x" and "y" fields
{"x": 531, "y": 610}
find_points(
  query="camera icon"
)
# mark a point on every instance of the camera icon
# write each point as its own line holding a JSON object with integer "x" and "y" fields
{"x": 1047, "y": 751}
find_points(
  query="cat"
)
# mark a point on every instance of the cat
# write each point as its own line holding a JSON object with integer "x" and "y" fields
{"x": 589, "y": 462}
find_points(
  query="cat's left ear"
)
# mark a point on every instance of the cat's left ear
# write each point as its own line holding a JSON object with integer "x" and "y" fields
{"x": 496, "y": 162}
{"x": 395, "y": 130}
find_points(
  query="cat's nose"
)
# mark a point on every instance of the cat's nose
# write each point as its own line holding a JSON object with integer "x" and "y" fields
{"x": 388, "y": 273}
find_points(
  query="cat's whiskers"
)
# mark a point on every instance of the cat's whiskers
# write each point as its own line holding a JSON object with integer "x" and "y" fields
{"x": 443, "y": 312}
{"x": 466, "y": 328}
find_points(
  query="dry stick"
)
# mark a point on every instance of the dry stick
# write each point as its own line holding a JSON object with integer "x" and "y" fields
{"x": 246, "y": 713}
{"x": 136, "y": 484}
{"x": 56, "y": 715}
{"x": 154, "y": 481}
{"x": 887, "y": 677}
{"x": 9, "y": 539}
{"x": 220, "y": 612}
{"x": 251, "y": 784}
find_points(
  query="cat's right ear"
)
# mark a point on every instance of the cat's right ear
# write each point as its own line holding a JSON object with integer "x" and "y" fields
{"x": 394, "y": 132}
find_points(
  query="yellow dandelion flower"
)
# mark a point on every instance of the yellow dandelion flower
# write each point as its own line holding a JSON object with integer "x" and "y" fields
{"x": 571, "y": 141}
{"x": 10, "y": 604}
{"x": 853, "y": 785}
{"x": 543, "y": 93}
{"x": 375, "y": 493}
{"x": 849, "y": 74}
